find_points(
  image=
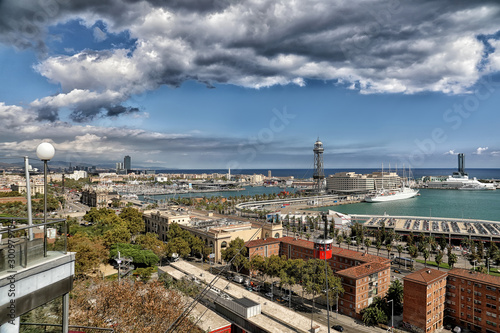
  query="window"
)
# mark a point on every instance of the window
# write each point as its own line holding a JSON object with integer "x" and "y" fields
{"x": 491, "y": 288}
{"x": 491, "y": 297}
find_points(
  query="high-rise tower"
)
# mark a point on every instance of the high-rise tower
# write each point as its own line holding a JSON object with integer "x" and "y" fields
{"x": 319, "y": 173}
{"x": 127, "y": 163}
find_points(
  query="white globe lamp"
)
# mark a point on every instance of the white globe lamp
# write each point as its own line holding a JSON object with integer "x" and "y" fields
{"x": 45, "y": 151}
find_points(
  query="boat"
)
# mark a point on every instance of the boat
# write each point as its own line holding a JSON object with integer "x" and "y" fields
{"x": 474, "y": 187}
{"x": 460, "y": 180}
{"x": 391, "y": 195}
{"x": 383, "y": 195}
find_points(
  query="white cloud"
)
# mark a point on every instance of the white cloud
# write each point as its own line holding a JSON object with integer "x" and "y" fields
{"x": 451, "y": 152}
{"x": 480, "y": 150}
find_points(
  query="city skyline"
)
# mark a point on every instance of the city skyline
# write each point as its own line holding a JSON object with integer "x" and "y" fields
{"x": 251, "y": 84}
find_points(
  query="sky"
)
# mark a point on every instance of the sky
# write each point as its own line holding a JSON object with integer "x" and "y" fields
{"x": 251, "y": 83}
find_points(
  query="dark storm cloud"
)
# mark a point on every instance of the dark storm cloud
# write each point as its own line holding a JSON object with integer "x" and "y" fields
{"x": 84, "y": 113}
{"x": 383, "y": 46}
{"x": 48, "y": 113}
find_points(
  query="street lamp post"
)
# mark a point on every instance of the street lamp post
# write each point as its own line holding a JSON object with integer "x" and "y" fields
{"x": 45, "y": 151}
{"x": 392, "y": 314}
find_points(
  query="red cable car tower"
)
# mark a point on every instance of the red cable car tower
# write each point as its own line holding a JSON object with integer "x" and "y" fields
{"x": 323, "y": 244}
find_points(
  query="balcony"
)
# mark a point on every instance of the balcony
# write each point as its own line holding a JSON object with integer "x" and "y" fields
{"x": 35, "y": 266}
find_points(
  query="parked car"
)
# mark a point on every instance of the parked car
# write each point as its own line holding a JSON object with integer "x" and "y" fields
{"x": 238, "y": 279}
{"x": 397, "y": 271}
{"x": 338, "y": 328}
{"x": 270, "y": 295}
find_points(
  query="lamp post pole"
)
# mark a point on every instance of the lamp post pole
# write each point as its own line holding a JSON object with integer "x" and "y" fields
{"x": 392, "y": 314}
{"x": 45, "y": 151}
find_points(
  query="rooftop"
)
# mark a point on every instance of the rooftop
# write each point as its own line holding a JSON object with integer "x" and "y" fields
{"x": 426, "y": 276}
{"x": 360, "y": 271}
{"x": 475, "y": 276}
{"x": 260, "y": 242}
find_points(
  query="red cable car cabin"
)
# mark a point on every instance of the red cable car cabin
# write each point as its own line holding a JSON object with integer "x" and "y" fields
{"x": 323, "y": 248}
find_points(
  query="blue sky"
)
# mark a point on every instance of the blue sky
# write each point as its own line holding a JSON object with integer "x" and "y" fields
{"x": 248, "y": 84}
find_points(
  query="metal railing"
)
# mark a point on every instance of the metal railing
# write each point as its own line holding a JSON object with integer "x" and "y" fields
{"x": 20, "y": 244}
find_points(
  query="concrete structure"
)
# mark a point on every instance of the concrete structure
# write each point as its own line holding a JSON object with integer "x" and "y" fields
{"x": 98, "y": 198}
{"x": 35, "y": 188}
{"x": 31, "y": 277}
{"x": 273, "y": 318}
{"x": 424, "y": 299}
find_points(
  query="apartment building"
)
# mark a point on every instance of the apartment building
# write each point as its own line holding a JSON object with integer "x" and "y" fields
{"x": 364, "y": 276}
{"x": 472, "y": 300}
{"x": 424, "y": 299}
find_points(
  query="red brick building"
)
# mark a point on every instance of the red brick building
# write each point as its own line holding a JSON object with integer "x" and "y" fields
{"x": 424, "y": 299}
{"x": 263, "y": 247}
{"x": 363, "y": 276}
{"x": 472, "y": 300}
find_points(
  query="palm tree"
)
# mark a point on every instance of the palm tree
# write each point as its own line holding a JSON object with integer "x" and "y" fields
{"x": 439, "y": 258}
{"x": 400, "y": 250}
{"x": 378, "y": 246}
{"x": 452, "y": 260}
{"x": 388, "y": 247}
{"x": 425, "y": 253}
{"x": 368, "y": 243}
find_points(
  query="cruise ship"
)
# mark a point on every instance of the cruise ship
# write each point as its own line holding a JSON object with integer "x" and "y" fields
{"x": 391, "y": 195}
{"x": 383, "y": 195}
{"x": 460, "y": 180}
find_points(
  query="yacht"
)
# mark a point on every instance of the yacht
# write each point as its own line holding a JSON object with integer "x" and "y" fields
{"x": 405, "y": 192}
{"x": 391, "y": 195}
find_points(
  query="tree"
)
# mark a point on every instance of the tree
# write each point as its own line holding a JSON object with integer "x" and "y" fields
{"x": 374, "y": 314}
{"x": 119, "y": 234}
{"x": 178, "y": 245}
{"x": 90, "y": 253}
{"x": 439, "y": 258}
{"x": 378, "y": 246}
{"x": 151, "y": 242}
{"x": 235, "y": 253}
{"x": 340, "y": 239}
{"x": 425, "y": 254}
{"x": 388, "y": 247}
{"x": 413, "y": 251}
{"x": 139, "y": 256}
{"x": 396, "y": 293}
{"x": 133, "y": 220}
{"x": 256, "y": 264}
{"x": 368, "y": 243}
{"x": 399, "y": 248}
{"x": 128, "y": 306}
{"x": 452, "y": 260}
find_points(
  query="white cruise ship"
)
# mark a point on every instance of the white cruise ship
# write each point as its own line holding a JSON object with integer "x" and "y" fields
{"x": 460, "y": 180}
{"x": 391, "y": 195}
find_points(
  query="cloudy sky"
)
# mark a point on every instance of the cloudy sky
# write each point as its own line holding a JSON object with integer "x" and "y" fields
{"x": 251, "y": 84}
